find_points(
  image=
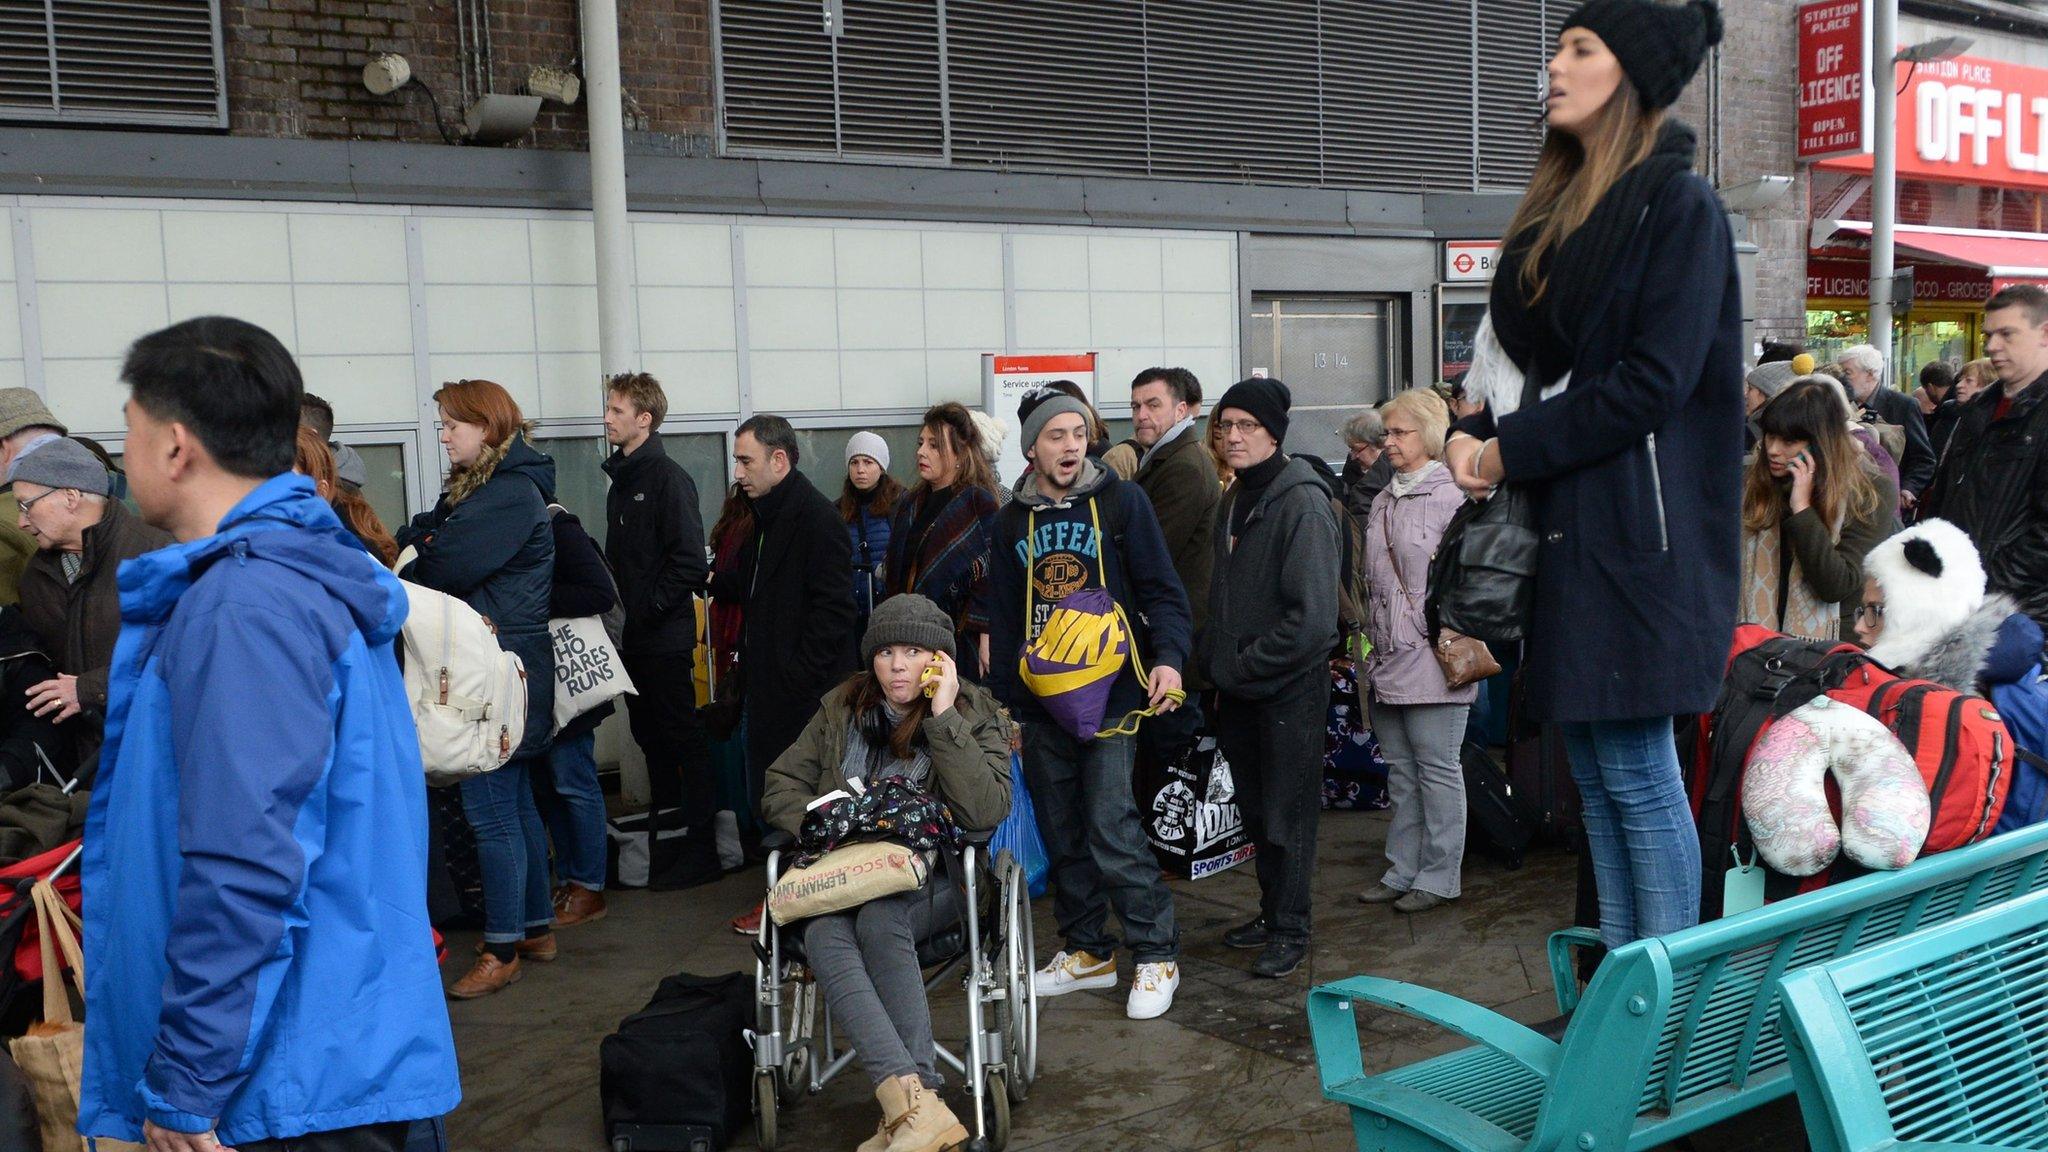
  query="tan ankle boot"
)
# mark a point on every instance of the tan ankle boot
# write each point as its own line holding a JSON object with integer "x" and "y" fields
{"x": 895, "y": 1101}
{"x": 928, "y": 1125}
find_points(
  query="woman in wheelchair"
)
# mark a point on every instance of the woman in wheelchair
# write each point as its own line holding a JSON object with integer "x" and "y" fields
{"x": 955, "y": 744}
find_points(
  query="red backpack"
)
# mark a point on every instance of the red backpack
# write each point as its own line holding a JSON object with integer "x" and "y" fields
{"x": 1962, "y": 747}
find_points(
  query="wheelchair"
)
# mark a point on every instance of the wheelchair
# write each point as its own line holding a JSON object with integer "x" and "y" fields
{"x": 989, "y": 949}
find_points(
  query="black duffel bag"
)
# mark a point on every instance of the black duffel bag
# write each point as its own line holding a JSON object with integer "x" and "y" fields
{"x": 677, "y": 1074}
{"x": 1482, "y": 580}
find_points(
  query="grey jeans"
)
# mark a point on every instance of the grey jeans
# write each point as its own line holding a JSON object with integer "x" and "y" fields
{"x": 1426, "y": 783}
{"x": 865, "y": 959}
{"x": 1100, "y": 856}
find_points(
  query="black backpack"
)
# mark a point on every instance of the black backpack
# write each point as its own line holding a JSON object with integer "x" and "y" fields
{"x": 676, "y": 1076}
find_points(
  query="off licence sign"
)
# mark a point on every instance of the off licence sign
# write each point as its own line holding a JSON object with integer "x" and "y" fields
{"x": 1831, "y": 88}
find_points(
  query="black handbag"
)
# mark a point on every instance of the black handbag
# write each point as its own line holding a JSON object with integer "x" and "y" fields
{"x": 1482, "y": 580}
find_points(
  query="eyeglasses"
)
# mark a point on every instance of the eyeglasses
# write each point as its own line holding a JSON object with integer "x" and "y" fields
{"x": 1873, "y": 611}
{"x": 32, "y": 502}
{"x": 1242, "y": 427}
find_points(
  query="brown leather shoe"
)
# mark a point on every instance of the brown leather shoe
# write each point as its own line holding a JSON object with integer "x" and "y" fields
{"x": 578, "y": 905}
{"x": 490, "y": 975}
{"x": 540, "y": 949}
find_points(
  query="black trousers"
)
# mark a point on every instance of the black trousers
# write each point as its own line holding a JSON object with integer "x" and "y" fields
{"x": 1275, "y": 749}
{"x": 368, "y": 1138}
{"x": 665, "y": 722}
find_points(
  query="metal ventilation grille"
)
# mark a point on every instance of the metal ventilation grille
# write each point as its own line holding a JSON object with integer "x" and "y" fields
{"x": 113, "y": 61}
{"x": 1400, "y": 94}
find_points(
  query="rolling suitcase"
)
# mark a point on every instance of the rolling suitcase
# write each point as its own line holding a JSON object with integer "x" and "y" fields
{"x": 1496, "y": 822}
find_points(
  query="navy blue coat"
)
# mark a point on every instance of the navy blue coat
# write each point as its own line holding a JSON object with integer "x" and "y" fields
{"x": 1635, "y": 471}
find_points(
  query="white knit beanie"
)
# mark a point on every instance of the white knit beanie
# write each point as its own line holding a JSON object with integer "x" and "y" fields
{"x": 870, "y": 445}
{"x": 1932, "y": 580}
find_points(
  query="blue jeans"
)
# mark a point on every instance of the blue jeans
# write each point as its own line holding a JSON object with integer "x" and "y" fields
{"x": 574, "y": 811}
{"x": 511, "y": 851}
{"x": 1646, "y": 851}
{"x": 1100, "y": 856}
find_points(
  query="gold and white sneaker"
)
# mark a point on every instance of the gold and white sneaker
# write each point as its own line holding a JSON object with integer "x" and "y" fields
{"x": 1073, "y": 972}
{"x": 1152, "y": 990}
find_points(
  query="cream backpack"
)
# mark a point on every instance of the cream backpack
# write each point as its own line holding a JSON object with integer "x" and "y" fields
{"x": 468, "y": 695}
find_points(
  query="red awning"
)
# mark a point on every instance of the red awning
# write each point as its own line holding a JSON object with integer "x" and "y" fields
{"x": 2003, "y": 258}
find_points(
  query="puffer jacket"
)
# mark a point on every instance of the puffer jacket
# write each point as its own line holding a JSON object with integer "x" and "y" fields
{"x": 494, "y": 549}
{"x": 1401, "y": 535}
{"x": 969, "y": 747}
{"x": 257, "y": 844}
{"x": 869, "y": 535}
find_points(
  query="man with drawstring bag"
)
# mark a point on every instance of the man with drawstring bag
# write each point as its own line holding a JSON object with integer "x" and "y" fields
{"x": 1089, "y": 631}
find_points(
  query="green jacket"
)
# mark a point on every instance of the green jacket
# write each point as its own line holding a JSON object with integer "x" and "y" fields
{"x": 1181, "y": 480}
{"x": 970, "y": 751}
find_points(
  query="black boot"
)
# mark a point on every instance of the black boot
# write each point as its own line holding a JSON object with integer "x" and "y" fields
{"x": 1280, "y": 958}
{"x": 1248, "y": 936}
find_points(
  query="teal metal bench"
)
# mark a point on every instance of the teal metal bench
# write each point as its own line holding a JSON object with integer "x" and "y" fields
{"x": 1934, "y": 1043}
{"x": 1675, "y": 1033}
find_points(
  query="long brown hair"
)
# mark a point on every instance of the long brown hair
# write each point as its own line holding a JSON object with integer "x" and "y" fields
{"x": 1572, "y": 174}
{"x": 958, "y": 436}
{"x": 879, "y": 500}
{"x": 735, "y": 521}
{"x": 485, "y": 403}
{"x": 870, "y": 721}
{"x": 1212, "y": 439}
{"x": 316, "y": 460}
{"x": 1810, "y": 409}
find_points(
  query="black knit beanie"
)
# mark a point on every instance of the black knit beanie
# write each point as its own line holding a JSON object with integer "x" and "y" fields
{"x": 1263, "y": 400}
{"x": 1659, "y": 45}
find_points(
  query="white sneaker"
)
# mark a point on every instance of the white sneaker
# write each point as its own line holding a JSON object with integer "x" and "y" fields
{"x": 1072, "y": 972}
{"x": 1152, "y": 991}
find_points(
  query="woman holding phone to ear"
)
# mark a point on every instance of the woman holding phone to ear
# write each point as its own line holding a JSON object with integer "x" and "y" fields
{"x": 1611, "y": 367}
{"x": 1813, "y": 505}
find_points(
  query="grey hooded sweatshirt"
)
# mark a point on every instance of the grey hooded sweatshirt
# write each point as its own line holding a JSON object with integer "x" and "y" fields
{"x": 1273, "y": 593}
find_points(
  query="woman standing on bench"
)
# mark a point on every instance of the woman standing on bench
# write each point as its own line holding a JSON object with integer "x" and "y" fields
{"x": 1614, "y": 389}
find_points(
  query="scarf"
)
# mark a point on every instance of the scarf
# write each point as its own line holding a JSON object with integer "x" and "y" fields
{"x": 868, "y": 756}
{"x": 1404, "y": 482}
{"x": 1581, "y": 270}
{"x": 1765, "y": 568}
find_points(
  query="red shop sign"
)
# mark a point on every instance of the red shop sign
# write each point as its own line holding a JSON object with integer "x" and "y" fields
{"x": 1832, "y": 36}
{"x": 1836, "y": 278}
{"x": 1971, "y": 121}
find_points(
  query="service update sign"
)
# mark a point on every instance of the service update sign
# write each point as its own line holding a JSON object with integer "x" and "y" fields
{"x": 1833, "y": 43}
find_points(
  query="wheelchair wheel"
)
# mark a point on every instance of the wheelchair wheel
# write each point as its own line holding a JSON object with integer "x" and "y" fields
{"x": 793, "y": 1078}
{"x": 995, "y": 1107}
{"x": 1020, "y": 1009}
{"x": 765, "y": 1134}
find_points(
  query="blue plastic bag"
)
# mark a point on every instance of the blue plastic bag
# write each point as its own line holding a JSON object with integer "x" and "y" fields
{"x": 1018, "y": 833}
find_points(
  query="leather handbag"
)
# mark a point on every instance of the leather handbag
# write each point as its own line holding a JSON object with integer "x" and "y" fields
{"x": 1464, "y": 660}
{"x": 1482, "y": 580}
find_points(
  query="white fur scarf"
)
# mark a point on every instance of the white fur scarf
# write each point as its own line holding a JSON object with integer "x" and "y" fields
{"x": 1494, "y": 379}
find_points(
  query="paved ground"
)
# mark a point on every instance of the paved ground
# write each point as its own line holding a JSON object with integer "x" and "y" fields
{"x": 1229, "y": 1068}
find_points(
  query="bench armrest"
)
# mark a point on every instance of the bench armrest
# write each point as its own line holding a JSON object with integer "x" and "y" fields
{"x": 1334, "y": 1029}
{"x": 1564, "y": 975}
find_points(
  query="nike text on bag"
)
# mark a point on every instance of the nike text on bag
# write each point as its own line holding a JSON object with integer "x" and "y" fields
{"x": 588, "y": 671}
{"x": 468, "y": 695}
{"x": 1073, "y": 662}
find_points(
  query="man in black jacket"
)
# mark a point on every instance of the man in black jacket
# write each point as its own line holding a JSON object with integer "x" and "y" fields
{"x": 1993, "y": 483}
{"x": 654, "y": 540}
{"x": 794, "y": 585}
{"x": 1877, "y": 402}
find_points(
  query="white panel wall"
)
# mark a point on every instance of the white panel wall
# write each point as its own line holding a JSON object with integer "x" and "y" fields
{"x": 735, "y": 315}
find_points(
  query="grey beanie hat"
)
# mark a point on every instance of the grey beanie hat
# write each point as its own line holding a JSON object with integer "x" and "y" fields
{"x": 908, "y": 618}
{"x": 62, "y": 464}
{"x": 1039, "y": 408}
{"x": 1773, "y": 378}
{"x": 21, "y": 408}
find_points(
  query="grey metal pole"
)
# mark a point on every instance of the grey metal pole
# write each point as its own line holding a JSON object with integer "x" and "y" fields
{"x": 617, "y": 345}
{"x": 1884, "y": 178}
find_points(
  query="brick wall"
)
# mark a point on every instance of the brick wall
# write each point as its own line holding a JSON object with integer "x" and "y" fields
{"x": 295, "y": 66}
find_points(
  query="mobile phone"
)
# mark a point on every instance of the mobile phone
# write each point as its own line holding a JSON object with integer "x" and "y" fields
{"x": 929, "y": 678}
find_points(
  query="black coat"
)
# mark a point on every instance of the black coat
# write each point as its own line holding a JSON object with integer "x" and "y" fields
{"x": 1635, "y": 476}
{"x": 654, "y": 538}
{"x": 795, "y": 582}
{"x": 583, "y": 587}
{"x": 1993, "y": 484}
{"x": 22, "y": 666}
{"x": 1916, "y": 468}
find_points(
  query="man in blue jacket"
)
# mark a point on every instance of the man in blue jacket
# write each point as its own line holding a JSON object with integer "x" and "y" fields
{"x": 263, "y": 970}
